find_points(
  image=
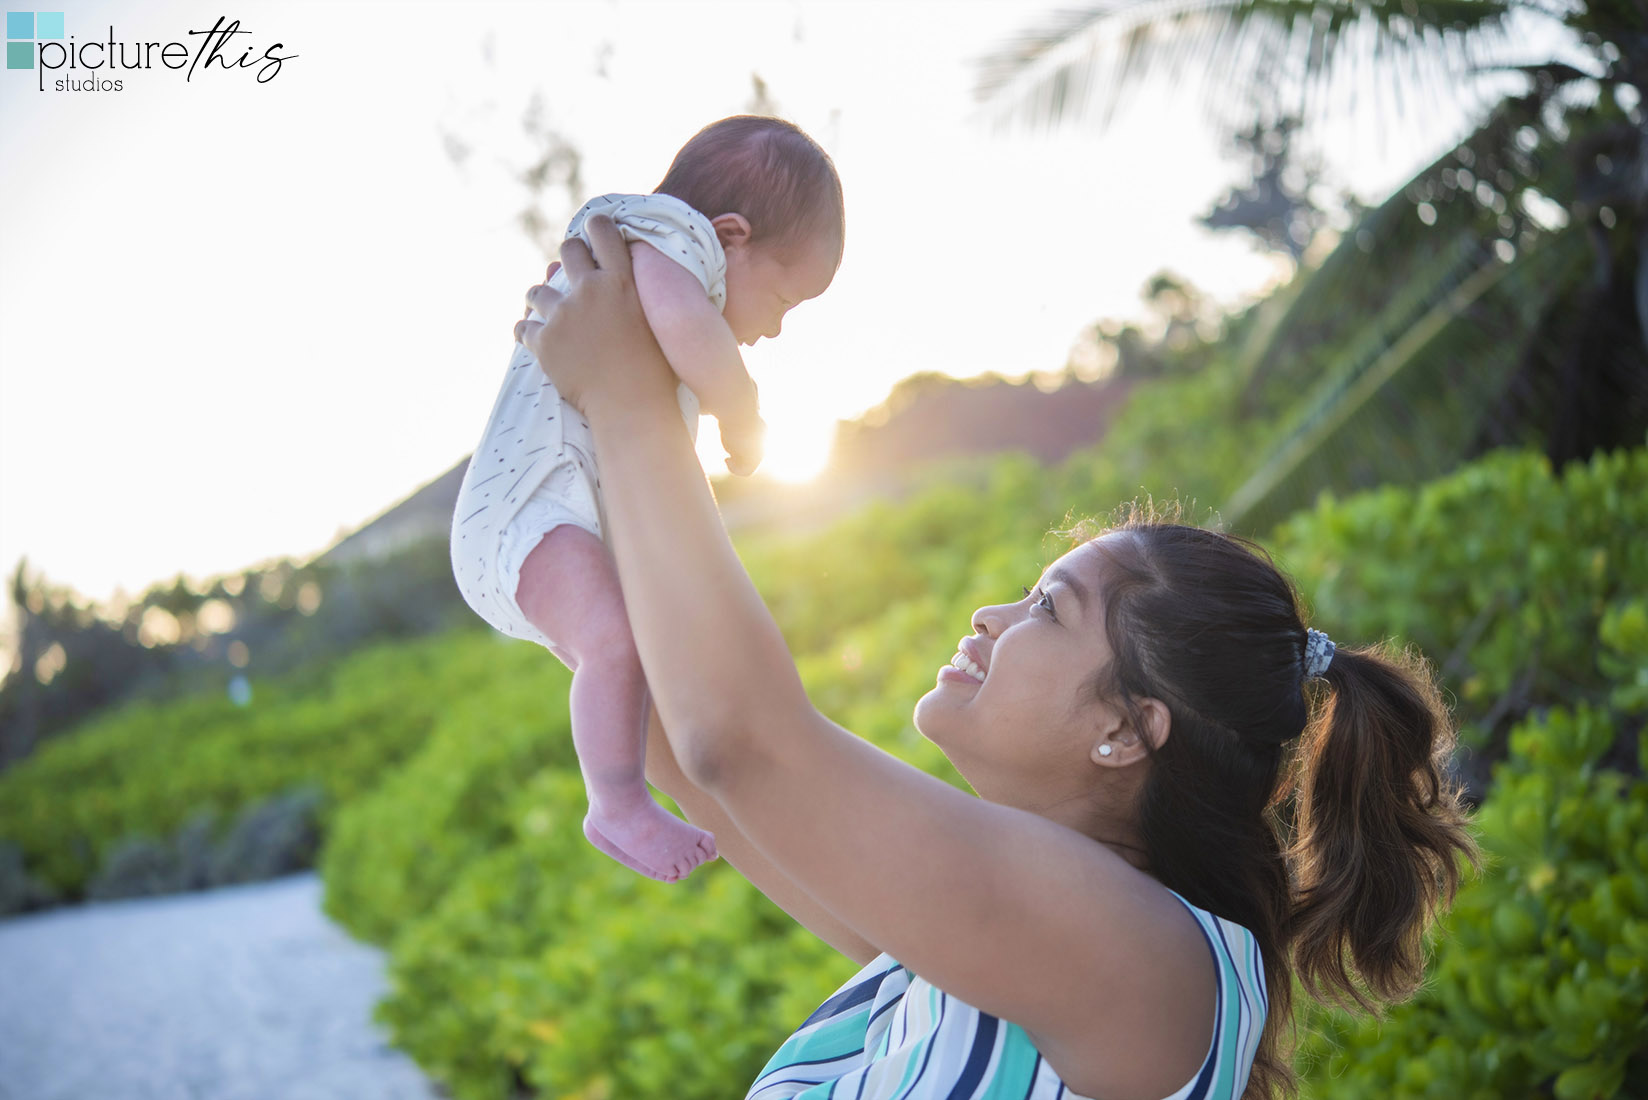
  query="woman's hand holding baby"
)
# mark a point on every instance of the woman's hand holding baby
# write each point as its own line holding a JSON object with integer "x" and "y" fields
{"x": 594, "y": 342}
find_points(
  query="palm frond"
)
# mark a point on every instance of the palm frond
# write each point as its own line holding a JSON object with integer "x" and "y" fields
{"x": 1409, "y": 406}
{"x": 1478, "y": 189}
{"x": 1450, "y": 320}
{"x": 1256, "y": 59}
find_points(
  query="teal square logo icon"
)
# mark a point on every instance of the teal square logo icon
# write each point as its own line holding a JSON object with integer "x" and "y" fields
{"x": 22, "y": 27}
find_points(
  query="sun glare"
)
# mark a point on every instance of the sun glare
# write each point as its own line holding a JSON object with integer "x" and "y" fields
{"x": 796, "y": 452}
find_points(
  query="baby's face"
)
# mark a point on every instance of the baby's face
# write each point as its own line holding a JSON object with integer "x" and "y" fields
{"x": 763, "y": 284}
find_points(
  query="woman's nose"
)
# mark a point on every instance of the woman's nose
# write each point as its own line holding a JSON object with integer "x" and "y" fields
{"x": 988, "y": 620}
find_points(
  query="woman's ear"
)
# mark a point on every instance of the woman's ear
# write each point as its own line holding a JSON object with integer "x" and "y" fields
{"x": 1158, "y": 721}
{"x": 732, "y": 230}
{"x": 1122, "y": 742}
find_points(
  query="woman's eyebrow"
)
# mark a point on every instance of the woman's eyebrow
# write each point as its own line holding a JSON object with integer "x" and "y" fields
{"x": 1061, "y": 575}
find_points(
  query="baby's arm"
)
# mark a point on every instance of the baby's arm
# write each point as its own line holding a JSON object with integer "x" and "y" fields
{"x": 702, "y": 350}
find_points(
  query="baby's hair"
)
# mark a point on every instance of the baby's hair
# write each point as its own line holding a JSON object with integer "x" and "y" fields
{"x": 765, "y": 169}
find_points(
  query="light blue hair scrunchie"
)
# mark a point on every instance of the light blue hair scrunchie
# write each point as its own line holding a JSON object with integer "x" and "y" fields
{"x": 1319, "y": 649}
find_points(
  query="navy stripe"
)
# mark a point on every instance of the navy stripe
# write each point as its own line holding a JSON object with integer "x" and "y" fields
{"x": 820, "y": 1061}
{"x": 847, "y": 998}
{"x": 930, "y": 1042}
{"x": 764, "y": 1085}
{"x": 1204, "y": 1081}
{"x": 978, "y": 1059}
{"x": 894, "y": 1003}
{"x": 933, "y": 1076}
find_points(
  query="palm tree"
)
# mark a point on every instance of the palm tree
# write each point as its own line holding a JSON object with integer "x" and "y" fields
{"x": 1499, "y": 297}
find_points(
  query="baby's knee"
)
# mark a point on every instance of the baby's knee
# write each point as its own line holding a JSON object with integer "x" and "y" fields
{"x": 609, "y": 647}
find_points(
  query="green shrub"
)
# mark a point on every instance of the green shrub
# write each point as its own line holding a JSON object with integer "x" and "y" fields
{"x": 274, "y": 838}
{"x": 138, "y": 867}
{"x": 277, "y": 836}
{"x": 145, "y": 770}
{"x": 523, "y": 961}
{"x": 20, "y": 891}
{"x": 1500, "y": 573}
{"x": 547, "y": 963}
{"x": 394, "y": 853}
{"x": 1540, "y": 977}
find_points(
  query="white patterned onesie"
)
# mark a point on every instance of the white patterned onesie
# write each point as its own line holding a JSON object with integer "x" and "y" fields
{"x": 535, "y": 467}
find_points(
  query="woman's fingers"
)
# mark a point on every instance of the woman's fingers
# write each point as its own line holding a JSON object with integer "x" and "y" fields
{"x": 542, "y": 298}
{"x": 530, "y": 305}
{"x": 575, "y": 258}
{"x": 611, "y": 253}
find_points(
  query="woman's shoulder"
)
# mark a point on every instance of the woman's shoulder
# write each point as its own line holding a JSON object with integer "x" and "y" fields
{"x": 1215, "y": 1040}
{"x": 1235, "y": 950}
{"x": 1240, "y": 1006}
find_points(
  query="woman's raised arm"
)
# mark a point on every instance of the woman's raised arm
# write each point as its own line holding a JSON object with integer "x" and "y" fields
{"x": 1015, "y": 914}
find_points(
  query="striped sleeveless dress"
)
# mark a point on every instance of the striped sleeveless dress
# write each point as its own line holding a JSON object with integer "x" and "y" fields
{"x": 889, "y": 1035}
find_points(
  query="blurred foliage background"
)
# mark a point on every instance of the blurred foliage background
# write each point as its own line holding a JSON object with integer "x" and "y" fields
{"x": 1438, "y": 426}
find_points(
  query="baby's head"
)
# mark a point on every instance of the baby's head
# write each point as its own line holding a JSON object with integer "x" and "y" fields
{"x": 775, "y": 201}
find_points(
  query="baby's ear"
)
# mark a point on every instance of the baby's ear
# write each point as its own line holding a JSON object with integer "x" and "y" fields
{"x": 732, "y": 230}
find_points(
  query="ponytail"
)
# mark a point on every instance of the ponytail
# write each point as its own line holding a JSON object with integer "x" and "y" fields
{"x": 1302, "y": 793}
{"x": 1378, "y": 827}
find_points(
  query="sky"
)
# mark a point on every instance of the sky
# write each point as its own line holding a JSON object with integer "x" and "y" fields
{"x": 239, "y": 318}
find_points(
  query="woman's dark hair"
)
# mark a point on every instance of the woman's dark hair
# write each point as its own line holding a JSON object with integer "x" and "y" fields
{"x": 1318, "y": 816}
{"x": 765, "y": 169}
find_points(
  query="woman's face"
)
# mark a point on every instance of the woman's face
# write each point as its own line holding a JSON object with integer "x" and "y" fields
{"x": 1025, "y": 730}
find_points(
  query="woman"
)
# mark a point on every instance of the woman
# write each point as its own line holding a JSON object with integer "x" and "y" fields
{"x": 1116, "y": 915}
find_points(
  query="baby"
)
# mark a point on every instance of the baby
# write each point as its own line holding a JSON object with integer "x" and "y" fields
{"x": 747, "y": 224}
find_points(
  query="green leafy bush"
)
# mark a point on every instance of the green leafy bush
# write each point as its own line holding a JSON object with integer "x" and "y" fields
{"x": 271, "y": 838}
{"x": 1500, "y": 573}
{"x": 523, "y": 961}
{"x": 20, "y": 891}
{"x": 145, "y": 770}
{"x": 1540, "y": 978}
{"x": 545, "y": 963}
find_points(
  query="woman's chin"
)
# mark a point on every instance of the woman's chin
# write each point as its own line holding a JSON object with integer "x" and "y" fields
{"x": 928, "y": 714}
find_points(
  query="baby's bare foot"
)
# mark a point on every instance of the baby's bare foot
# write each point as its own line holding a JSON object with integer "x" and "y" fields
{"x": 649, "y": 840}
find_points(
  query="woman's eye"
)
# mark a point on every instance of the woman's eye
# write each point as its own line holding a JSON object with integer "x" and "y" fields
{"x": 1045, "y": 603}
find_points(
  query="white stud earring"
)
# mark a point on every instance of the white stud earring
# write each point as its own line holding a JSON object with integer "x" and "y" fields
{"x": 1104, "y": 750}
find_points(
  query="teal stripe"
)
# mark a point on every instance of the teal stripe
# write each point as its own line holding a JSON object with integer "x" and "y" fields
{"x": 912, "y": 1055}
{"x": 1256, "y": 965}
{"x": 834, "y": 1038}
{"x": 1231, "y": 1002}
{"x": 1239, "y": 968}
{"x": 1015, "y": 1067}
{"x": 826, "y": 1041}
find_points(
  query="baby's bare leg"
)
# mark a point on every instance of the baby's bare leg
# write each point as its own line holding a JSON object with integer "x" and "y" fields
{"x": 569, "y": 590}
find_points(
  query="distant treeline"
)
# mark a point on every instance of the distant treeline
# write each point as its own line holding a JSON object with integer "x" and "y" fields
{"x": 73, "y": 658}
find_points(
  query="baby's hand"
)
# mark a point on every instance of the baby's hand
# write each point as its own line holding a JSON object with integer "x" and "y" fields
{"x": 743, "y": 444}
